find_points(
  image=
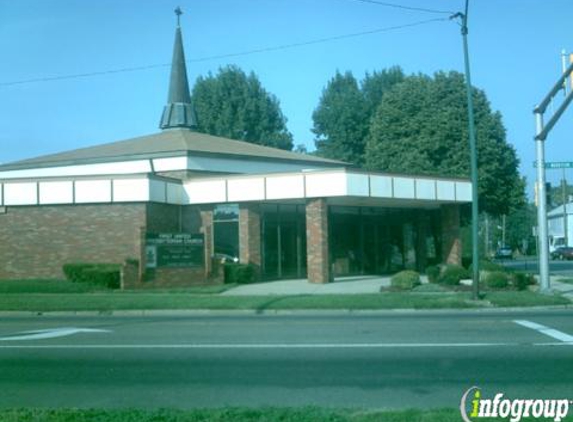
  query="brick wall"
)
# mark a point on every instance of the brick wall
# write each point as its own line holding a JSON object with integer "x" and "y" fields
{"x": 36, "y": 241}
{"x": 163, "y": 218}
{"x": 250, "y": 234}
{"x": 451, "y": 243}
{"x": 317, "y": 250}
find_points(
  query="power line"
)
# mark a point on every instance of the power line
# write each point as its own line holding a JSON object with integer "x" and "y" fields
{"x": 224, "y": 56}
{"x": 400, "y": 6}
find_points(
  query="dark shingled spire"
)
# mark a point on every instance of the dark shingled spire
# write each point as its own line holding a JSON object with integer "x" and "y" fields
{"x": 179, "y": 111}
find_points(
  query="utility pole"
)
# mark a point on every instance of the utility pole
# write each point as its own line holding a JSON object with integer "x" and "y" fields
{"x": 564, "y": 199}
{"x": 564, "y": 182}
{"x": 542, "y": 130}
{"x": 473, "y": 153}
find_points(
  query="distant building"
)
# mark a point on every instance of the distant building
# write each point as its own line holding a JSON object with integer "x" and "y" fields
{"x": 559, "y": 221}
{"x": 175, "y": 202}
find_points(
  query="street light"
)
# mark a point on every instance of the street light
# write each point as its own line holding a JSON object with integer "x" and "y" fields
{"x": 473, "y": 153}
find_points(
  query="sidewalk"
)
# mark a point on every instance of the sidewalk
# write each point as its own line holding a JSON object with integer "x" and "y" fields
{"x": 343, "y": 285}
{"x": 565, "y": 289}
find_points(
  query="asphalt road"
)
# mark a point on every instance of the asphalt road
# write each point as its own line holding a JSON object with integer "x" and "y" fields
{"x": 562, "y": 268}
{"x": 387, "y": 360}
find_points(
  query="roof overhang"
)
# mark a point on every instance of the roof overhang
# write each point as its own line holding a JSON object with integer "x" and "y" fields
{"x": 339, "y": 186}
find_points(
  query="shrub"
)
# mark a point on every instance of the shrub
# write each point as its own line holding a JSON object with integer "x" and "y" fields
{"x": 522, "y": 280}
{"x": 433, "y": 273}
{"x": 452, "y": 275}
{"x": 240, "y": 273}
{"x": 405, "y": 280}
{"x": 103, "y": 275}
{"x": 488, "y": 266}
{"x": 497, "y": 280}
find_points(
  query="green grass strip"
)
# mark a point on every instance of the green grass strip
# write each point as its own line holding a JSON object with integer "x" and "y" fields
{"x": 305, "y": 414}
{"x": 110, "y": 301}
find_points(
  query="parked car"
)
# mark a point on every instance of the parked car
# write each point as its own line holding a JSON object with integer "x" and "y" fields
{"x": 504, "y": 252}
{"x": 563, "y": 252}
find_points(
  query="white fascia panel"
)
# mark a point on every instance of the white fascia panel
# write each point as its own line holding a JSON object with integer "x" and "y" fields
{"x": 446, "y": 190}
{"x": 357, "y": 184}
{"x": 61, "y": 192}
{"x": 254, "y": 166}
{"x": 1, "y": 196}
{"x": 174, "y": 193}
{"x": 170, "y": 164}
{"x": 130, "y": 190}
{"x": 326, "y": 184}
{"x": 404, "y": 188}
{"x": 285, "y": 187}
{"x": 21, "y": 193}
{"x": 123, "y": 167}
{"x": 464, "y": 191}
{"x": 157, "y": 191}
{"x": 426, "y": 189}
{"x": 248, "y": 189}
{"x": 93, "y": 191}
{"x": 206, "y": 191}
{"x": 381, "y": 186}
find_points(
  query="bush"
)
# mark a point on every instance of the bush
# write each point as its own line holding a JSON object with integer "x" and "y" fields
{"x": 488, "y": 266}
{"x": 497, "y": 280}
{"x": 452, "y": 275}
{"x": 103, "y": 275}
{"x": 433, "y": 273}
{"x": 240, "y": 273}
{"x": 405, "y": 280}
{"x": 522, "y": 280}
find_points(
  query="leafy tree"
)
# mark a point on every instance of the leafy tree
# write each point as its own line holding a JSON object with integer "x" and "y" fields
{"x": 420, "y": 127}
{"x": 556, "y": 194}
{"x": 342, "y": 118}
{"x": 235, "y": 105}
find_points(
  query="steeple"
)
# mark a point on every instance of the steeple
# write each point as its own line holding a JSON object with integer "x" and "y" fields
{"x": 179, "y": 111}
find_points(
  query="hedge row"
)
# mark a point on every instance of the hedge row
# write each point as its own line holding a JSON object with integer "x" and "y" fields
{"x": 103, "y": 275}
{"x": 240, "y": 273}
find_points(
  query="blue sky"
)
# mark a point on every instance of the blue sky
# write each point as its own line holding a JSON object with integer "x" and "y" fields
{"x": 515, "y": 48}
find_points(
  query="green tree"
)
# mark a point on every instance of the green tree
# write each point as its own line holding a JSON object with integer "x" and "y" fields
{"x": 562, "y": 191}
{"x": 420, "y": 127}
{"x": 341, "y": 120}
{"x": 342, "y": 117}
{"x": 233, "y": 104}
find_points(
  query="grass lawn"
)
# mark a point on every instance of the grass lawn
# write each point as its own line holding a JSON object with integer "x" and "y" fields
{"x": 566, "y": 280}
{"x": 306, "y": 414}
{"x": 63, "y": 286}
{"x": 142, "y": 300}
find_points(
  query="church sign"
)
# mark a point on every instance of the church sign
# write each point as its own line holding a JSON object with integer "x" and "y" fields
{"x": 174, "y": 250}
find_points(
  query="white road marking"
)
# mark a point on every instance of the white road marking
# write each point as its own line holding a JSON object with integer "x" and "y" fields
{"x": 50, "y": 333}
{"x": 258, "y": 346}
{"x": 548, "y": 331}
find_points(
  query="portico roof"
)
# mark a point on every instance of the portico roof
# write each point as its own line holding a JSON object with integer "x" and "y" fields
{"x": 169, "y": 143}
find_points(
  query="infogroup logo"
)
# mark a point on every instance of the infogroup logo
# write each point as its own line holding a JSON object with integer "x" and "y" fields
{"x": 474, "y": 406}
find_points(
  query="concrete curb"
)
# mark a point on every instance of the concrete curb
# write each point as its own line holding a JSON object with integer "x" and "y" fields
{"x": 280, "y": 312}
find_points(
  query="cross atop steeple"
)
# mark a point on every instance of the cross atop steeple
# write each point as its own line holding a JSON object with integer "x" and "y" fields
{"x": 178, "y": 12}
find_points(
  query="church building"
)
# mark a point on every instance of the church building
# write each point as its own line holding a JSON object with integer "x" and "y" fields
{"x": 174, "y": 204}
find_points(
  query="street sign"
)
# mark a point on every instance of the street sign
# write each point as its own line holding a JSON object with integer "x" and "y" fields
{"x": 556, "y": 165}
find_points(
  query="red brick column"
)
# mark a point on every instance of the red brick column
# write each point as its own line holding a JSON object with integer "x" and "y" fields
{"x": 451, "y": 242}
{"x": 207, "y": 230}
{"x": 318, "y": 260}
{"x": 421, "y": 240}
{"x": 250, "y": 234}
